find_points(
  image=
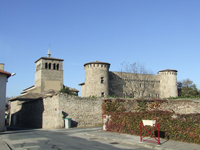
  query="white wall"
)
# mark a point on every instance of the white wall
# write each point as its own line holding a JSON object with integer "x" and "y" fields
{"x": 3, "y": 80}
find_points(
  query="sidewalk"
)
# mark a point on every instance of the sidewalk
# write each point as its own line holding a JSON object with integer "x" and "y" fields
{"x": 135, "y": 140}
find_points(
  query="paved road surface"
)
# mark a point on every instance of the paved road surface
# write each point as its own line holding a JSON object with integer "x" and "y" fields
{"x": 65, "y": 139}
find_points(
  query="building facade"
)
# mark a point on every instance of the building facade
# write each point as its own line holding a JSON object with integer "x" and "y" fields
{"x": 101, "y": 82}
{"x": 3, "y": 79}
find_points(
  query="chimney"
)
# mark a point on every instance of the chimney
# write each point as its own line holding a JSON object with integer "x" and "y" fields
{"x": 1, "y": 66}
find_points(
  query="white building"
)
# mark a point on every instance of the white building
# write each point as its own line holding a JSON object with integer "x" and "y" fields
{"x": 3, "y": 79}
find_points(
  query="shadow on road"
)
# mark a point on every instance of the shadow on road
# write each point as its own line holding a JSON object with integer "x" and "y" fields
{"x": 16, "y": 130}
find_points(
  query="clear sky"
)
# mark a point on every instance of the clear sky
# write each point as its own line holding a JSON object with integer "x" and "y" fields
{"x": 161, "y": 34}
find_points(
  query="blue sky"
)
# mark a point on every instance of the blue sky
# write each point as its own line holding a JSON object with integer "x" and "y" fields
{"x": 161, "y": 34}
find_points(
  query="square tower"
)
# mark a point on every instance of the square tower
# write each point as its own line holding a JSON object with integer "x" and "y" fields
{"x": 48, "y": 74}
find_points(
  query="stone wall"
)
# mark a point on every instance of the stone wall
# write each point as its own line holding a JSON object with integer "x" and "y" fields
{"x": 82, "y": 111}
{"x": 181, "y": 106}
{"x": 178, "y": 106}
{"x": 27, "y": 113}
{"x": 52, "y": 114}
{"x": 134, "y": 85}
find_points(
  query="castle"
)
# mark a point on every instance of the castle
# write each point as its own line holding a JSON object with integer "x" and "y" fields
{"x": 48, "y": 75}
{"x": 101, "y": 82}
{"x": 42, "y": 106}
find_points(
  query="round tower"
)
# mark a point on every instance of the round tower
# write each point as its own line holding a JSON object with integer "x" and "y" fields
{"x": 96, "y": 79}
{"x": 168, "y": 83}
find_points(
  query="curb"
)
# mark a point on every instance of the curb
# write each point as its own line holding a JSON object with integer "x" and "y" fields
{"x": 7, "y": 145}
{"x": 146, "y": 145}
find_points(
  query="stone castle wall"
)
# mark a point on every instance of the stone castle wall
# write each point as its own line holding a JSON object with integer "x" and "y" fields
{"x": 82, "y": 111}
{"x": 134, "y": 85}
{"x": 123, "y": 84}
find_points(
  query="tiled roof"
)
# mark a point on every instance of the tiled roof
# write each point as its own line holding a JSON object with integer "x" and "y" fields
{"x": 6, "y": 73}
{"x": 75, "y": 90}
{"x": 49, "y": 58}
{"x": 29, "y": 87}
{"x": 34, "y": 96}
{"x": 83, "y": 83}
{"x": 28, "y": 96}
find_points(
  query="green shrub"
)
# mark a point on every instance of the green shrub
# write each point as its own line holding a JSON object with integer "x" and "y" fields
{"x": 67, "y": 90}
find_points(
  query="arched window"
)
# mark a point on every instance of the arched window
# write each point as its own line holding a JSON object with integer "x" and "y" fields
{"x": 54, "y": 66}
{"x": 49, "y": 65}
{"x": 45, "y": 65}
{"x": 57, "y": 66}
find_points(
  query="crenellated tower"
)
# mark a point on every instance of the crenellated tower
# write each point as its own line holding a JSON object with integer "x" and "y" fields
{"x": 168, "y": 83}
{"x": 96, "y": 79}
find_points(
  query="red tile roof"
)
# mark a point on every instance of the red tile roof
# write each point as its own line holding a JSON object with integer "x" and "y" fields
{"x": 6, "y": 73}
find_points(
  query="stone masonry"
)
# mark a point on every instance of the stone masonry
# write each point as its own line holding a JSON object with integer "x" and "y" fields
{"x": 82, "y": 111}
{"x": 101, "y": 82}
{"x": 49, "y": 111}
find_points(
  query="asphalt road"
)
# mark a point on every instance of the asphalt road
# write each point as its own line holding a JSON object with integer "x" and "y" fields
{"x": 64, "y": 139}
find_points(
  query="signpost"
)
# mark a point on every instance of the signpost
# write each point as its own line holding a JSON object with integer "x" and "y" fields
{"x": 149, "y": 123}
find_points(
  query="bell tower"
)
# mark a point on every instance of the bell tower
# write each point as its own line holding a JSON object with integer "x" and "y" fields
{"x": 48, "y": 73}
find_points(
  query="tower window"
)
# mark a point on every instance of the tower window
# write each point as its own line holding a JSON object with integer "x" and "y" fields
{"x": 102, "y": 80}
{"x": 54, "y": 66}
{"x": 45, "y": 65}
{"x": 49, "y": 65}
{"x": 102, "y": 94}
{"x": 57, "y": 66}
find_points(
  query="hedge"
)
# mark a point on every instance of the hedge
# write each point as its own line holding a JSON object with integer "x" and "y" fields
{"x": 179, "y": 127}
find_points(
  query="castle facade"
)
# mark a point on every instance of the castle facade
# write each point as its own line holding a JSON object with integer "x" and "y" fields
{"x": 101, "y": 82}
